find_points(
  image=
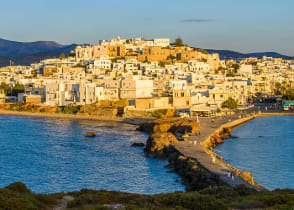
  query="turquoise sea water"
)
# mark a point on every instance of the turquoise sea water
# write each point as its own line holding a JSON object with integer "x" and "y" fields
{"x": 52, "y": 155}
{"x": 265, "y": 148}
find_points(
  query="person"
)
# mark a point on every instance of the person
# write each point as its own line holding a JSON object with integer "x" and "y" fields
{"x": 213, "y": 159}
{"x": 199, "y": 132}
{"x": 213, "y": 120}
{"x": 195, "y": 144}
{"x": 229, "y": 174}
{"x": 190, "y": 143}
{"x": 232, "y": 176}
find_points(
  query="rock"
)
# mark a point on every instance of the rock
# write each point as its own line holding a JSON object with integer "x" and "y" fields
{"x": 177, "y": 126}
{"x": 90, "y": 134}
{"x": 247, "y": 176}
{"x": 184, "y": 126}
{"x": 216, "y": 139}
{"x": 138, "y": 145}
{"x": 157, "y": 143}
{"x": 172, "y": 157}
{"x": 226, "y": 132}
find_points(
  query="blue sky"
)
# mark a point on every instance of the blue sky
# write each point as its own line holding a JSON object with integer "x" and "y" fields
{"x": 241, "y": 25}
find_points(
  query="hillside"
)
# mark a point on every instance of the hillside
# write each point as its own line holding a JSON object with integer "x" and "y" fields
{"x": 36, "y": 57}
{"x": 14, "y": 49}
{"x": 18, "y": 196}
{"x": 25, "y": 53}
{"x": 4, "y": 61}
{"x": 228, "y": 54}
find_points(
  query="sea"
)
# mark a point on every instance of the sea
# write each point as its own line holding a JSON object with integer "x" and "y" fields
{"x": 53, "y": 155}
{"x": 264, "y": 147}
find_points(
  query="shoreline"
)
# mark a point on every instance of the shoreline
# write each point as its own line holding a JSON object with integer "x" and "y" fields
{"x": 130, "y": 121}
{"x": 231, "y": 125}
{"x": 184, "y": 147}
{"x": 64, "y": 116}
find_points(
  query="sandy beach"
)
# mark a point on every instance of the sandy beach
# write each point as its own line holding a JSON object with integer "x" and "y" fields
{"x": 65, "y": 116}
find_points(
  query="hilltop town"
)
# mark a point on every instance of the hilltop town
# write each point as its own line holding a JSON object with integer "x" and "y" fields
{"x": 145, "y": 75}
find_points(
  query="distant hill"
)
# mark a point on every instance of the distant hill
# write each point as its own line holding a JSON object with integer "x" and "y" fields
{"x": 14, "y": 49}
{"x": 25, "y": 53}
{"x": 36, "y": 57}
{"x": 4, "y": 61}
{"x": 228, "y": 54}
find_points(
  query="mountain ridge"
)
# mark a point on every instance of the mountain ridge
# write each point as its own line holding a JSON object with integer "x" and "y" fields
{"x": 229, "y": 54}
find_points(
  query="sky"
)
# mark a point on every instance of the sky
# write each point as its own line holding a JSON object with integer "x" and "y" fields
{"x": 239, "y": 25}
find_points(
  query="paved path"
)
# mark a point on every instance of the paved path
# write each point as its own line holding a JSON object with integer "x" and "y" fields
{"x": 207, "y": 127}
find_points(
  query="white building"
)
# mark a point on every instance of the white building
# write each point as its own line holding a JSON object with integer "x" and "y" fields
{"x": 102, "y": 63}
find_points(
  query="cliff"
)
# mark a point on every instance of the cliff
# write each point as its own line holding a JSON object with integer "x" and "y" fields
{"x": 164, "y": 132}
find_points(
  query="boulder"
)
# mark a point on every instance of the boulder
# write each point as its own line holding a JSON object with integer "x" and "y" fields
{"x": 138, "y": 145}
{"x": 227, "y": 131}
{"x": 247, "y": 176}
{"x": 158, "y": 142}
{"x": 90, "y": 134}
{"x": 177, "y": 126}
{"x": 216, "y": 140}
{"x": 184, "y": 126}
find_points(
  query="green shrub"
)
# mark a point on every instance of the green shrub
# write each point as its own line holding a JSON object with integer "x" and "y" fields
{"x": 18, "y": 187}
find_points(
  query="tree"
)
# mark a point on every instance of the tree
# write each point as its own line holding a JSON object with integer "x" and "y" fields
{"x": 230, "y": 103}
{"x": 236, "y": 67}
{"x": 289, "y": 94}
{"x": 62, "y": 56}
{"x": 4, "y": 86}
{"x": 179, "y": 42}
{"x": 278, "y": 88}
{"x": 161, "y": 64}
{"x": 18, "y": 88}
{"x": 171, "y": 57}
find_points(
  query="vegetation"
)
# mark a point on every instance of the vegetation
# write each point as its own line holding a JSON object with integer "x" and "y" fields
{"x": 289, "y": 94}
{"x": 18, "y": 196}
{"x": 201, "y": 50}
{"x": 161, "y": 64}
{"x": 285, "y": 89}
{"x": 12, "y": 91}
{"x": 204, "y": 60}
{"x": 171, "y": 57}
{"x": 179, "y": 42}
{"x": 62, "y": 56}
{"x": 230, "y": 103}
{"x": 236, "y": 67}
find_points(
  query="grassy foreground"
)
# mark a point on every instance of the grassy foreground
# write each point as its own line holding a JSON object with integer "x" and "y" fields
{"x": 18, "y": 196}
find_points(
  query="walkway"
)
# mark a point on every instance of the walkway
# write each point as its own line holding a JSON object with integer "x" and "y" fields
{"x": 207, "y": 128}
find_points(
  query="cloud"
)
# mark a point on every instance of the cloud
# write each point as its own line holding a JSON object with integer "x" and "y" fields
{"x": 196, "y": 20}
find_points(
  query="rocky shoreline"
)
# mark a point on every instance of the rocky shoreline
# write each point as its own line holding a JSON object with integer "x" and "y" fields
{"x": 224, "y": 132}
{"x": 164, "y": 133}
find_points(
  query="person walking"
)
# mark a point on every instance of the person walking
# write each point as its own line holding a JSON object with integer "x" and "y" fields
{"x": 199, "y": 132}
{"x": 213, "y": 159}
{"x": 190, "y": 143}
{"x": 232, "y": 176}
{"x": 195, "y": 144}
